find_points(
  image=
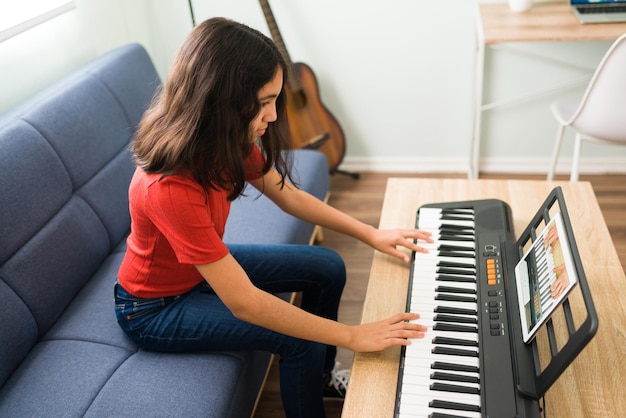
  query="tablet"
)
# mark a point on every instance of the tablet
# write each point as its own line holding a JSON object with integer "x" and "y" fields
{"x": 544, "y": 277}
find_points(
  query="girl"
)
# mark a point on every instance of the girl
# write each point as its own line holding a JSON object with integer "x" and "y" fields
{"x": 219, "y": 122}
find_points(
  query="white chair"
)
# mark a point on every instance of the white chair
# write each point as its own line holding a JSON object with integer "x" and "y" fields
{"x": 600, "y": 115}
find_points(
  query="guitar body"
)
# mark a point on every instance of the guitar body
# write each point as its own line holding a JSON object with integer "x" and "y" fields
{"x": 311, "y": 125}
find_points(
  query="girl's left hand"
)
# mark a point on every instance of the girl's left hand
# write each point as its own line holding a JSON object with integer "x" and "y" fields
{"x": 387, "y": 241}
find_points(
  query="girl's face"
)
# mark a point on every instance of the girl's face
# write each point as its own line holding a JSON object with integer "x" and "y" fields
{"x": 267, "y": 98}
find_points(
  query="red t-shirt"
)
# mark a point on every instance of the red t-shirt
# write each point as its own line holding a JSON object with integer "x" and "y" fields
{"x": 175, "y": 224}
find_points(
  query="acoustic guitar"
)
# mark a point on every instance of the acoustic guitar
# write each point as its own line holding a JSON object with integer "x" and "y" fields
{"x": 311, "y": 125}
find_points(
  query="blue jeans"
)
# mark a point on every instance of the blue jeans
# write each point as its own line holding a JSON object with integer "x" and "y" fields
{"x": 199, "y": 321}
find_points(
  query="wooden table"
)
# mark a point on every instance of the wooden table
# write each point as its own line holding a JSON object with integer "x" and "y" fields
{"x": 543, "y": 22}
{"x": 593, "y": 384}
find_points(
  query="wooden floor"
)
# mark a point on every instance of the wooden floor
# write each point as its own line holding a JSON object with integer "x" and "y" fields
{"x": 363, "y": 199}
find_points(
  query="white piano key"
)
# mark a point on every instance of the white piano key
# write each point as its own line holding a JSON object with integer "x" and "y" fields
{"x": 422, "y": 358}
{"x": 414, "y": 384}
{"x": 434, "y": 246}
{"x": 432, "y": 285}
{"x": 423, "y": 396}
{"x": 424, "y": 411}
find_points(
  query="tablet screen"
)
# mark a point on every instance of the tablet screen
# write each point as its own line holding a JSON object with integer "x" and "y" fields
{"x": 544, "y": 276}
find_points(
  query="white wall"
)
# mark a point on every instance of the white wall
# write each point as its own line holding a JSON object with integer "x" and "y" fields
{"x": 398, "y": 75}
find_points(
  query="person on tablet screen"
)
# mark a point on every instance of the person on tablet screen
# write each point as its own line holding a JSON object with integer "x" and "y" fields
{"x": 553, "y": 246}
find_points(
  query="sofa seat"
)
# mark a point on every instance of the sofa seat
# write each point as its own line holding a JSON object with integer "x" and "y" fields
{"x": 65, "y": 168}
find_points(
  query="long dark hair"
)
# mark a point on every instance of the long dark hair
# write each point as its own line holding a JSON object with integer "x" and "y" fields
{"x": 199, "y": 121}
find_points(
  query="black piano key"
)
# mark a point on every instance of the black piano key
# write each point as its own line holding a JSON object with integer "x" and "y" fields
{"x": 445, "y": 387}
{"x": 455, "y": 328}
{"x": 454, "y": 352}
{"x": 456, "y": 254}
{"x": 453, "y": 405}
{"x": 455, "y": 319}
{"x": 454, "y": 341}
{"x": 448, "y": 237}
{"x": 442, "y": 415}
{"x": 452, "y": 289}
{"x": 455, "y": 298}
{"x": 453, "y": 310}
{"x": 450, "y": 247}
{"x": 455, "y": 278}
{"x": 456, "y": 264}
{"x": 456, "y": 217}
{"x": 456, "y": 230}
{"x": 450, "y": 270}
{"x": 452, "y": 367}
{"x": 458, "y": 209}
{"x": 451, "y": 377}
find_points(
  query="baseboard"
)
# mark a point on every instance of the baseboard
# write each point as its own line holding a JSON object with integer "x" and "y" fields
{"x": 487, "y": 165}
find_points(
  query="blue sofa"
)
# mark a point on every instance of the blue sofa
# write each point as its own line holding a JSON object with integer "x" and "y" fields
{"x": 64, "y": 174}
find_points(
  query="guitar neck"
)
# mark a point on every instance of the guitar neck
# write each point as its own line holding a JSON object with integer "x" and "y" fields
{"x": 293, "y": 81}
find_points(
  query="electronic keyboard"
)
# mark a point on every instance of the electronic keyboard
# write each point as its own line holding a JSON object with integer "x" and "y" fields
{"x": 473, "y": 362}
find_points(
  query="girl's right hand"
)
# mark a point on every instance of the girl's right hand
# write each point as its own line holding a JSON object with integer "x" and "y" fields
{"x": 377, "y": 336}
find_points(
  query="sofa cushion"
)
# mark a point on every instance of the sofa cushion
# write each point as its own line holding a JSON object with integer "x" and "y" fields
{"x": 66, "y": 165}
{"x": 310, "y": 173}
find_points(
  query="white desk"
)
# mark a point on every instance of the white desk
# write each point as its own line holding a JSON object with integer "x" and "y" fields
{"x": 544, "y": 22}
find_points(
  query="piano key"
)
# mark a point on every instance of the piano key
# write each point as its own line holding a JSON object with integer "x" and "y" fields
{"x": 454, "y": 406}
{"x": 425, "y": 284}
{"x": 456, "y": 319}
{"x": 426, "y": 411}
{"x": 454, "y": 377}
{"x": 454, "y": 352}
{"x": 455, "y": 310}
{"x": 421, "y": 305}
{"x": 415, "y": 394}
{"x": 455, "y": 262}
{"x": 455, "y": 328}
{"x": 456, "y": 289}
{"x": 455, "y": 298}
{"x": 438, "y": 242}
{"x": 450, "y": 247}
{"x": 414, "y": 390}
{"x": 441, "y": 340}
{"x": 424, "y": 357}
{"x": 446, "y": 387}
{"x": 458, "y": 255}
{"x": 455, "y": 278}
{"x": 444, "y": 365}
